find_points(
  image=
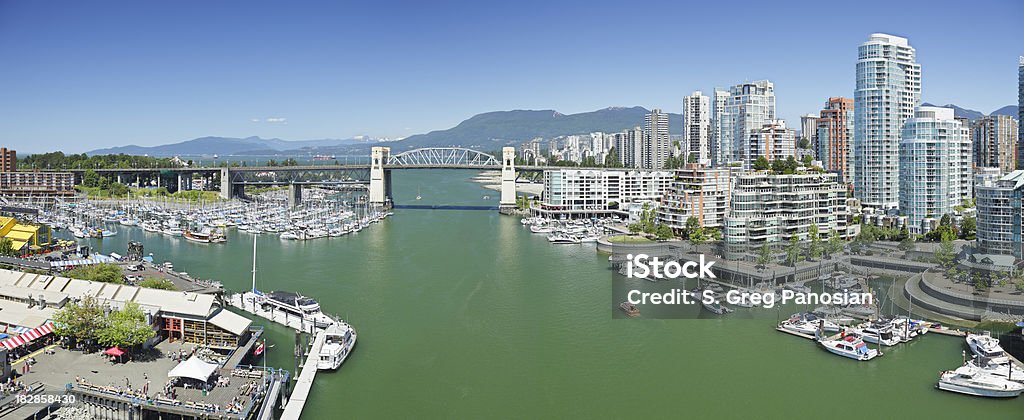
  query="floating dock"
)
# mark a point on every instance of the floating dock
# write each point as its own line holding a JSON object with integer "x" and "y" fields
{"x": 304, "y": 382}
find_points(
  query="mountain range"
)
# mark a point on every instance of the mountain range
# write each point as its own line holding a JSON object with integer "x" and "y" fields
{"x": 231, "y": 146}
{"x": 972, "y": 115}
{"x": 485, "y": 132}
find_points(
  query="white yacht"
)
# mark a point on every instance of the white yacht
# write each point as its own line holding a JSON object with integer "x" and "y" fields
{"x": 294, "y": 304}
{"x": 1007, "y": 370}
{"x": 541, "y": 229}
{"x": 850, "y": 346}
{"x": 341, "y": 338}
{"x": 970, "y": 380}
{"x": 716, "y": 308}
{"x": 878, "y": 334}
{"x": 986, "y": 346}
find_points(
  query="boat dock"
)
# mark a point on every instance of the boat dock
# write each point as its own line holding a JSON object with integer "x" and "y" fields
{"x": 304, "y": 382}
{"x": 245, "y": 301}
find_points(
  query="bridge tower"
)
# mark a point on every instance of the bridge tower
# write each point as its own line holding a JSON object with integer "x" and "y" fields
{"x": 225, "y": 183}
{"x": 378, "y": 176}
{"x": 508, "y": 179}
{"x": 294, "y": 195}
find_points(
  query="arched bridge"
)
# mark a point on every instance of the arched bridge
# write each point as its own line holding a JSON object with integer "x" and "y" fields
{"x": 443, "y": 157}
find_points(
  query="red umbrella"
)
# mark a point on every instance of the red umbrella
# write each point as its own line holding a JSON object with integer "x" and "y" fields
{"x": 114, "y": 351}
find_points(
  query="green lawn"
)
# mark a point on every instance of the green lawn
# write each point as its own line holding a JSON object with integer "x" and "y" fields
{"x": 628, "y": 239}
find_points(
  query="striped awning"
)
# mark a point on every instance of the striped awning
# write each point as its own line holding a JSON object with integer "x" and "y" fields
{"x": 27, "y": 337}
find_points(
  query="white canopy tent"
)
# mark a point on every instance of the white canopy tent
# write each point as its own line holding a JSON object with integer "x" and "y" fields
{"x": 193, "y": 368}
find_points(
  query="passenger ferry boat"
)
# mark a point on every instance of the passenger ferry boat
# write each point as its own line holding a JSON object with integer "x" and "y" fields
{"x": 340, "y": 339}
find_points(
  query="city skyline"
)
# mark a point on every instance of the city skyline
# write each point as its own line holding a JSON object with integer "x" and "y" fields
{"x": 94, "y": 76}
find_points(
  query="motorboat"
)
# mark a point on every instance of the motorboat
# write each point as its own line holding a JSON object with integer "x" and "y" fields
{"x": 541, "y": 229}
{"x": 716, "y": 307}
{"x": 850, "y": 346}
{"x": 878, "y": 334}
{"x": 295, "y": 304}
{"x": 559, "y": 238}
{"x": 339, "y": 341}
{"x": 629, "y": 308}
{"x": 1006, "y": 370}
{"x": 987, "y": 346}
{"x": 204, "y": 236}
{"x": 971, "y": 380}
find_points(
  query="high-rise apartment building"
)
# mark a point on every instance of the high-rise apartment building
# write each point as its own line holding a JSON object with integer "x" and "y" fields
{"x": 656, "y": 145}
{"x": 1020, "y": 110}
{"x": 834, "y": 137}
{"x": 995, "y": 142}
{"x": 773, "y": 141}
{"x": 751, "y": 105}
{"x": 628, "y": 146}
{"x": 721, "y": 124}
{"x": 999, "y": 213}
{"x": 697, "y": 128}
{"x": 808, "y": 129}
{"x": 935, "y": 166}
{"x": 8, "y": 160}
{"x": 888, "y": 90}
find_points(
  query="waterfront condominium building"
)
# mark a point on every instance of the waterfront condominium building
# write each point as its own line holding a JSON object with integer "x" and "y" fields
{"x": 696, "y": 191}
{"x": 999, "y": 213}
{"x": 772, "y": 208}
{"x": 751, "y": 105}
{"x": 995, "y": 142}
{"x": 935, "y": 166}
{"x": 773, "y": 141}
{"x": 835, "y": 132}
{"x": 656, "y": 145}
{"x": 581, "y": 193}
{"x": 721, "y": 129}
{"x": 697, "y": 127}
{"x": 628, "y": 145}
{"x": 888, "y": 89}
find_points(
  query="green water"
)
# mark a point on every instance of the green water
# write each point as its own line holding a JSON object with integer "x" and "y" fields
{"x": 467, "y": 314}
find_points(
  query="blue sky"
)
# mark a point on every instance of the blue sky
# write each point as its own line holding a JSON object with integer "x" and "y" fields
{"x": 77, "y": 75}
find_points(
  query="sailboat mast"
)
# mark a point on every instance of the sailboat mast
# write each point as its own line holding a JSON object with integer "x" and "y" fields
{"x": 254, "y": 263}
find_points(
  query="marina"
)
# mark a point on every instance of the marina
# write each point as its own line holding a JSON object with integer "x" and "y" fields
{"x": 495, "y": 306}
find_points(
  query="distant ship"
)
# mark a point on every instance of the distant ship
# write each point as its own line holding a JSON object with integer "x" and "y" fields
{"x": 215, "y": 156}
{"x": 323, "y": 157}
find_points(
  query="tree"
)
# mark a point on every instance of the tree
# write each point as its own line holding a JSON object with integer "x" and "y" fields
{"x": 118, "y": 189}
{"x": 103, "y": 273}
{"x": 157, "y": 283}
{"x": 807, "y": 160}
{"x": 804, "y": 143}
{"x": 815, "y": 249}
{"x": 634, "y": 228}
{"x": 793, "y": 251}
{"x": 663, "y": 232}
{"x": 907, "y": 244}
{"x": 968, "y": 228}
{"x": 79, "y": 320}
{"x": 946, "y": 253}
{"x": 692, "y": 225}
{"x": 946, "y": 220}
{"x": 834, "y": 245}
{"x": 764, "y": 256}
{"x": 90, "y": 179}
{"x": 761, "y": 164}
{"x": 7, "y": 247}
{"x": 611, "y": 160}
{"x": 125, "y": 328}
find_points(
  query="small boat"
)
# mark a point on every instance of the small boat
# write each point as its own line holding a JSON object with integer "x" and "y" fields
{"x": 563, "y": 239}
{"x": 971, "y": 380}
{"x": 850, "y": 346}
{"x": 204, "y": 237}
{"x": 878, "y": 334}
{"x": 716, "y": 307}
{"x": 541, "y": 229}
{"x": 1007, "y": 370}
{"x": 986, "y": 346}
{"x": 629, "y": 308}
